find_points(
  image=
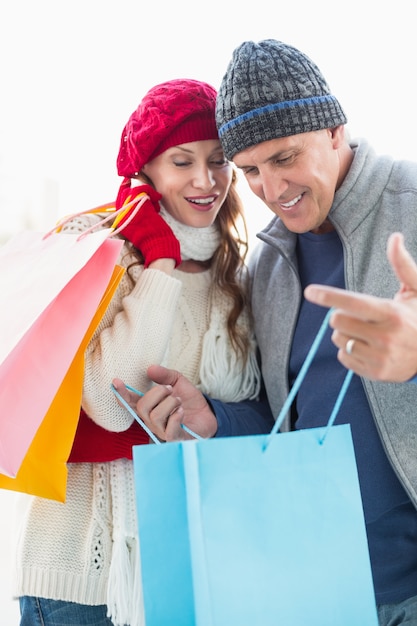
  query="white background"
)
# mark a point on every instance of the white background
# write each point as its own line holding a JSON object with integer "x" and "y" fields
{"x": 72, "y": 72}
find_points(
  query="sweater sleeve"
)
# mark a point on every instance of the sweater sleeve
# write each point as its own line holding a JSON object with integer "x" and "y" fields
{"x": 133, "y": 333}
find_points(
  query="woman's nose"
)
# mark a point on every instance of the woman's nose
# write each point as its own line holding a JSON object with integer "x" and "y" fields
{"x": 204, "y": 178}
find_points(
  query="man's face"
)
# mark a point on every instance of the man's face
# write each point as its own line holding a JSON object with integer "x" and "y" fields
{"x": 295, "y": 176}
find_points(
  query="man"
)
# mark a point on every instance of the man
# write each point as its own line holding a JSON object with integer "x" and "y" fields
{"x": 336, "y": 204}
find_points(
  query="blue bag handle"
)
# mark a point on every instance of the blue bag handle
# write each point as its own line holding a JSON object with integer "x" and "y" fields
{"x": 140, "y": 421}
{"x": 300, "y": 378}
{"x": 287, "y": 403}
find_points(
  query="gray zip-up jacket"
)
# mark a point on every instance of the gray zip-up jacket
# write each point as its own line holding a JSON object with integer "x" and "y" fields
{"x": 377, "y": 197}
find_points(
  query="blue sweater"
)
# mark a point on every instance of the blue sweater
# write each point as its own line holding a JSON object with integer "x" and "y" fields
{"x": 391, "y": 519}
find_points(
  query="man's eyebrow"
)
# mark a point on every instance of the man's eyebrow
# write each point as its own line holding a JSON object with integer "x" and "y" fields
{"x": 271, "y": 157}
{"x": 279, "y": 154}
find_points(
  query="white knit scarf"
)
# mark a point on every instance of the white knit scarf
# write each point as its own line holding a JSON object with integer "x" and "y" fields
{"x": 224, "y": 376}
{"x": 198, "y": 244}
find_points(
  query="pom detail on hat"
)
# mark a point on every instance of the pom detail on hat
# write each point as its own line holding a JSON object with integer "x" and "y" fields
{"x": 175, "y": 112}
{"x": 272, "y": 90}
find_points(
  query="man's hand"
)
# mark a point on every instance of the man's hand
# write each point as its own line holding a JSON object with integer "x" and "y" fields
{"x": 171, "y": 402}
{"x": 384, "y": 332}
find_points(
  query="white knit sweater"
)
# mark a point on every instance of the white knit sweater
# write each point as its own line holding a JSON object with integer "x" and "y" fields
{"x": 64, "y": 550}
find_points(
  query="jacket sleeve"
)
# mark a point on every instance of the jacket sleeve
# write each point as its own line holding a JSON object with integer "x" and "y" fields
{"x": 251, "y": 417}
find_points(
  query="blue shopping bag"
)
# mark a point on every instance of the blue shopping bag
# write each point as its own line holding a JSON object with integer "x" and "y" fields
{"x": 263, "y": 529}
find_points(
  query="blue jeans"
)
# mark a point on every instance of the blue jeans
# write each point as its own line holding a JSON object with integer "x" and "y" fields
{"x": 44, "y": 612}
{"x": 398, "y": 614}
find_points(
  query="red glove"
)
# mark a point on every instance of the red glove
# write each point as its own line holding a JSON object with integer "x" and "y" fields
{"x": 148, "y": 231}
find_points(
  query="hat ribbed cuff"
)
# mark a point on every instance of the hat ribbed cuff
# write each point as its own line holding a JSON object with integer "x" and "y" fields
{"x": 281, "y": 119}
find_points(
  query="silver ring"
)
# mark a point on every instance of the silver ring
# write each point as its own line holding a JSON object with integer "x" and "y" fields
{"x": 349, "y": 346}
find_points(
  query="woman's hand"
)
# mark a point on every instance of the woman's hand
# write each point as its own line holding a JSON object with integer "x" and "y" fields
{"x": 148, "y": 231}
{"x": 173, "y": 401}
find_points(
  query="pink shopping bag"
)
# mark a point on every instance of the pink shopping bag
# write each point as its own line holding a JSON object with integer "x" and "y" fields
{"x": 44, "y": 470}
{"x": 50, "y": 289}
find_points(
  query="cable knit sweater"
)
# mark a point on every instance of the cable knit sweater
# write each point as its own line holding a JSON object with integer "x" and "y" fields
{"x": 64, "y": 550}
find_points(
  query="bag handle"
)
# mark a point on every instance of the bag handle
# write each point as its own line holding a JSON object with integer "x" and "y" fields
{"x": 140, "y": 421}
{"x": 300, "y": 378}
{"x": 114, "y": 214}
{"x": 287, "y": 403}
{"x": 132, "y": 412}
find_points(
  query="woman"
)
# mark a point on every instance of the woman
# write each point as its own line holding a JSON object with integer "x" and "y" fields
{"x": 181, "y": 303}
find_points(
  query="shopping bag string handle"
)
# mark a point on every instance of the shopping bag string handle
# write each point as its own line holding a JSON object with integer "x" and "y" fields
{"x": 301, "y": 375}
{"x": 113, "y": 214}
{"x": 140, "y": 421}
{"x": 287, "y": 404}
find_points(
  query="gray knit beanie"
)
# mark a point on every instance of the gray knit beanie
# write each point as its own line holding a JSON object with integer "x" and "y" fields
{"x": 272, "y": 90}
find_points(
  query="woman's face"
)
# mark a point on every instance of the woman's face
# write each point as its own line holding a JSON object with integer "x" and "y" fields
{"x": 194, "y": 179}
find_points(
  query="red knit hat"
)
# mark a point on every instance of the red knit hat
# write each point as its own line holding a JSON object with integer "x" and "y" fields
{"x": 177, "y": 111}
